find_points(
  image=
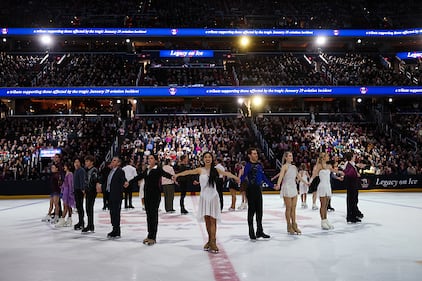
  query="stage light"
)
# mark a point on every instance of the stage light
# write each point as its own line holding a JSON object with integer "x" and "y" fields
{"x": 321, "y": 40}
{"x": 244, "y": 41}
{"x": 257, "y": 100}
{"x": 359, "y": 100}
{"x": 390, "y": 100}
{"x": 46, "y": 39}
{"x": 240, "y": 101}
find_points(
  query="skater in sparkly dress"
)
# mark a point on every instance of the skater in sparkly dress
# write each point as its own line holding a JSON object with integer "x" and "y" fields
{"x": 67, "y": 197}
{"x": 324, "y": 170}
{"x": 287, "y": 182}
{"x": 209, "y": 201}
{"x": 303, "y": 184}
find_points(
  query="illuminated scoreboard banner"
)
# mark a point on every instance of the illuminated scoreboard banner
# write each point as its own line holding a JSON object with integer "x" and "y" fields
{"x": 220, "y": 32}
{"x": 110, "y": 92}
{"x": 409, "y": 55}
{"x": 186, "y": 54}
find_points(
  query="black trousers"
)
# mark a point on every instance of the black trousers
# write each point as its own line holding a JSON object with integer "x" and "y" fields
{"x": 352, "y": 203}
{"x": 254, "y": 195}
{"x": 152, "y": 202}
{"x": 183, "y": 188}
{"x": 128, "y": 197}
{"x": 106, "y": 195}
{"x": 115, "y": 207}
{"x": 79, "y": 200}
{"x": 220, "y": 184}
{"x": 90, "y": 196}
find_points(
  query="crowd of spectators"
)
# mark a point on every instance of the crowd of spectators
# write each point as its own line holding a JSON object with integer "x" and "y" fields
{"x": 22, "y": 138}
{"x": 278, "y": 69}
{"x": 306, "y": 139}
{"x": 17, "y": 70}
{"x": 70, "y": 70}
{"x": 212, "y": 14}
{"x": 246, "y": 70}
{"x": 170, "y": 137}
{"x": 90, "y": 70}
{"x": 410, "y": 125}
{"x": 175, "y": 72}
{"x": 357, "y": 69}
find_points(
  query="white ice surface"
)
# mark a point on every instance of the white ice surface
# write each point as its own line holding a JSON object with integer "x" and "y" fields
{"x": 386, "y": 246}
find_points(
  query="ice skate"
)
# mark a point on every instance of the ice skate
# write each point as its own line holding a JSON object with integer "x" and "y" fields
{"x": 329, "y": 225}
{"x": 207, "y": 246}
{"x": 68, "y": 222}
{"x": 46, "y": 218}
{"x": 150, "y": 242}
{"x": 213, "y": 247}
{"x": 60, "y": 223}
{"x": 262, "y": 235}
{"x": 296, "y": 229}
{"x": 324, "y": 225}
{"x": 290, "y": 229}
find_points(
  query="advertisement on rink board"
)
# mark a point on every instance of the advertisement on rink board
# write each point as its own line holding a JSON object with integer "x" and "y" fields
{"x": 384, "y": 182}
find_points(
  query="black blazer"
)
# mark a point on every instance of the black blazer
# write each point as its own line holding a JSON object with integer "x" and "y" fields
{"x": 116, "y": 184}
{"x": 152, "y": 180}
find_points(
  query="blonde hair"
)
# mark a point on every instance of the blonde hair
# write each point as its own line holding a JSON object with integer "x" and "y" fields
{"x": 321, "y": 157}
{"x": 283, "y": 159}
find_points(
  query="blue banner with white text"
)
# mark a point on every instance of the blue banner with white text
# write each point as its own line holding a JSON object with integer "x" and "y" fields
{"x": 200, "y": 91}
{"x": 207, "y": 32}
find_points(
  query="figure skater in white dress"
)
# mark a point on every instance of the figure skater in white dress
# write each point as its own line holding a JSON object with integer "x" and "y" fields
{"x": 324, "y": 170}
{"x": 287, "y": 179}
{"x": 209, "y": 201}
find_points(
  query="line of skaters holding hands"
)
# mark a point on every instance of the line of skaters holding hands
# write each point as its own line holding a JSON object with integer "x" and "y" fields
{"x": 87, "y": 182}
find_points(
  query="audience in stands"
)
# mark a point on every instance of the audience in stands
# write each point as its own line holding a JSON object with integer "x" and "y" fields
{"x": 213, "y": 14}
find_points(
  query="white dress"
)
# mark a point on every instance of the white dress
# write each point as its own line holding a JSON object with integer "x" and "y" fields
{"x": 304, "y": 188}
{"x": 324, "y": 186}
{"x": 209, "y": 201}
{"x": 288, "y": 185}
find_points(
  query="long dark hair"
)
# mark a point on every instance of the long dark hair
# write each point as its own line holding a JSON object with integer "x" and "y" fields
{"x": 213, "y": 171}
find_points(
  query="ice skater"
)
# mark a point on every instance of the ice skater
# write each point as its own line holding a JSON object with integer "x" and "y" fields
{"x": 253, "y": 176}
{"x": 324, "y": 170}
{"x": 67, "y": 197}
{"x": 209, "y": 201}
{"x": 152, "y": 183}
{"x": 287, "y": 181}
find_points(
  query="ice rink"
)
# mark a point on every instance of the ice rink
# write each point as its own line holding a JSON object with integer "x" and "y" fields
{"x": 387, "y": 245}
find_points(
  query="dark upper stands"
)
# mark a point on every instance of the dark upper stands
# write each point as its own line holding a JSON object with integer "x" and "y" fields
{"x": 92, "y": 69}
{"x": 331, "y": 14}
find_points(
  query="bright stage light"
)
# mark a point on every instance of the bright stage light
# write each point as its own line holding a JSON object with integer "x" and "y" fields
{"x": 257, "y": 101}
{"x": 244, "y": 41}
{"x": 321, "y": 40}
{"x": 46, "y": 39}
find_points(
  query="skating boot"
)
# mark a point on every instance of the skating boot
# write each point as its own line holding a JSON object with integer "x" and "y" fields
{"x": 213, "y": 247}
{"x": 324, "y": 225}
{"x": 296, "y": 229}
{"x": 207, "y": 246}
{"x": 68, "y": 222}
{"x": 290, "y": 229}
{"x": 60, "y": 223}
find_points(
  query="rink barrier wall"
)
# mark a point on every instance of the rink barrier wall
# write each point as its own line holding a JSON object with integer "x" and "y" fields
{"x": 40, "y": 188}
